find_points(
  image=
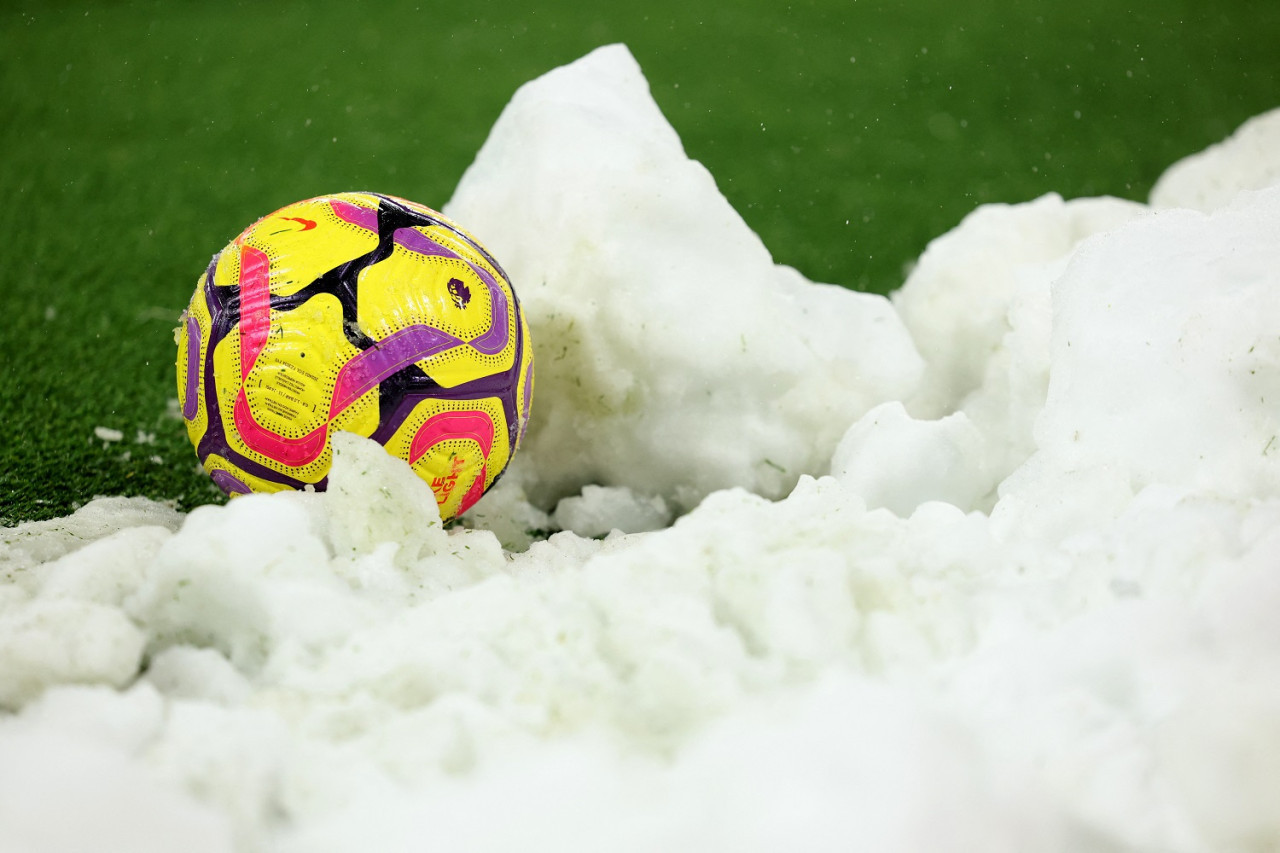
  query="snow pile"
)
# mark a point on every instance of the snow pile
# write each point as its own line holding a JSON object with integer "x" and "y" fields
{"x": 1031, "y": 608}
{"x": 673, "y": 356}
{"x": 1211, "y": 179}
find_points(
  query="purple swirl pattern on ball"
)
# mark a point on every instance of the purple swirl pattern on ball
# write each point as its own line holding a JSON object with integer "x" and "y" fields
{"x": 498, "y": 335}
{"x": 365, "y": 217}
{"x": 229, "y": 483}
{"x": 190, "y": 402}
{"x": 390, "y": 355}
{"x": 495, "y": 339}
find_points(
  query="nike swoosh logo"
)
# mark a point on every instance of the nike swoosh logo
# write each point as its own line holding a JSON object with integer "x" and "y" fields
{"x": 307, "y": 224}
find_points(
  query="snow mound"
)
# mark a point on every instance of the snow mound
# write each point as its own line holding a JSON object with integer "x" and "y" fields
{"x": 673, "y": 356}
{"x": 957, "y": 299}
{"x": 1248, "y": 160}
{"x": 1033, "y": 608}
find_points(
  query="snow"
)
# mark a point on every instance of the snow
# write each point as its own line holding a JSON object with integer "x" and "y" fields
{"x": 1211, "y": 179}
{"x": 600, "y": 510}
{"x": 673, "y": 357}
{"x": 990, "y": 565}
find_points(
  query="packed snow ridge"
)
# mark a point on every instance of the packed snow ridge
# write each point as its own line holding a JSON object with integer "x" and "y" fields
{"x": 992, "y": 565}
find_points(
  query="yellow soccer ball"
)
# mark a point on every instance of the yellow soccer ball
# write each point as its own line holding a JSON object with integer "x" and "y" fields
{"x": 360, "y": 312}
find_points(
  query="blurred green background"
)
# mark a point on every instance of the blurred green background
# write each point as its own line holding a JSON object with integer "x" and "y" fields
{"x": 138, "y": 138}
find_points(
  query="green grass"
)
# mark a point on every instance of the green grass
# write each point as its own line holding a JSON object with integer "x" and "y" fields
{"x": 137, "y": 138}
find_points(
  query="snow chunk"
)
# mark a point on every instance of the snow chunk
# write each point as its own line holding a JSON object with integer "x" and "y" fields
{"x": 106, "y": 571}
{"x": 245, "y": 579}
{"x": 377, "y": 498}
{"x": 673, "y": 356}
{"x": 599, "y": 510}
{"x": 50, "y": 642}
{"x": 35, "y": 542}
{"x": 1166, "y": 361}
{"x": 897, "y": 462}
{"x": 185, "y": 672}
{"x": 273, "y": 576}
{"x": 1247, "y": 160}
{"x": 108, "y": 434}
{"x": 956, "y": 301}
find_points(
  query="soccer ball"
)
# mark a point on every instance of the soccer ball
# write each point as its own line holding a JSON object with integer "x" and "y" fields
{"x": 358, "y": 312}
